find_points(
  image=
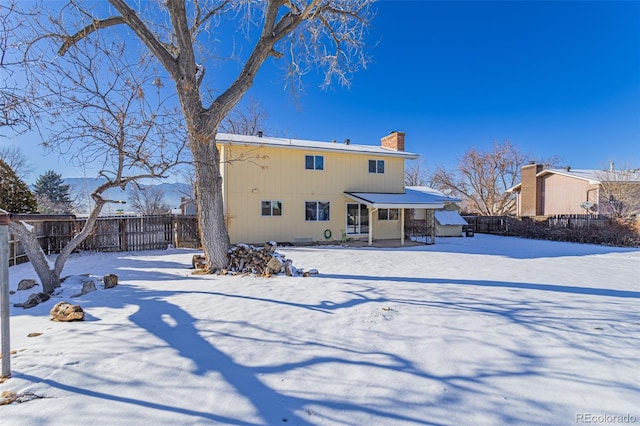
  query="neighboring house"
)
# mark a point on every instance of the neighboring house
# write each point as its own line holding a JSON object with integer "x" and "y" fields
{"x": 305, "y": 191}
{"x": 547, "y": 192}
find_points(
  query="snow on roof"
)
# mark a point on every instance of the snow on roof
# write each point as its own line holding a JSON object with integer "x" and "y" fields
{"x": 227, "y": 138}
{"x": 449, "y": 217}
{"x": 597, "y": 176}
{"x": 415, "y": 197}
{"x": 593, "y": 176}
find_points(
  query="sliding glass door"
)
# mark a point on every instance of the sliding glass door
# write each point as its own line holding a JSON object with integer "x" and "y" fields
{"x": 357, "y": 219}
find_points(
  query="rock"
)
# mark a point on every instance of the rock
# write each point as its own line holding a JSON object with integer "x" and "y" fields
{"x": 110, "y": 280}
{"x": 65, "y": 312}
{"x": 27, "y": 283}
{"x": 87, "y": 287}
{"x": 35, "y": 299}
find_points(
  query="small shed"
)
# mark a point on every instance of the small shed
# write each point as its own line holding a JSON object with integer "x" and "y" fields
{"x": 449, "y": 223}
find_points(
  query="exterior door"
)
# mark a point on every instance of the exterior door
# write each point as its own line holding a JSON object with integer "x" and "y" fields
{"x": 357, "y": 219}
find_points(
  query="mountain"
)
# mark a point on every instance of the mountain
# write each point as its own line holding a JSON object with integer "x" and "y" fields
{"x": 81, "y": 189}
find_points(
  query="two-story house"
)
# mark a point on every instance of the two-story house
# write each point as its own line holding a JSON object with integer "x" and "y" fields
{"x": 290, "y": 190}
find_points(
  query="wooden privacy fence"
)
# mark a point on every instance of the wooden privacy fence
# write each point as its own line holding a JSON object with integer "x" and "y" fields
{"x": 509, "y": 225}
{"x": 116, "y": 233}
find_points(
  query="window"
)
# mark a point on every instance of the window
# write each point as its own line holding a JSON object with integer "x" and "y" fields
{"x": 271, "y": 208}
{"x": 314, "y": 162}
{"x": 376, "y": 166}
{"x": 316, "y": 210}
{"x": 388, "y": 214}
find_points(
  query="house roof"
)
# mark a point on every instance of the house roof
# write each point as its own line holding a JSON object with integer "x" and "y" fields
{"x": 449, "y": 217}
{"x": 596, "y": 176}
{"x": 593, "y": 176}
{"x": 414, "y": 197}
{"x": 231, "y": 139}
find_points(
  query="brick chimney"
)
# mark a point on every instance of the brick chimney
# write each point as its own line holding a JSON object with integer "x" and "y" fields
{"x": 531, "y": 190}
{"x": 394, "y": 141}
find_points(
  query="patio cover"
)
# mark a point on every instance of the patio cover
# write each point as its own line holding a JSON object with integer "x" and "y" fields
{"x": 414, "y": 197}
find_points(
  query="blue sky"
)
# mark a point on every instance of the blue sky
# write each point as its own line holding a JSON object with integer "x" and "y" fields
{"x": 554, "y": 78}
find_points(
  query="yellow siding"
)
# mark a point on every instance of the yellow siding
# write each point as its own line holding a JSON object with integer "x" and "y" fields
{"x": 385, "y": 229}
{"x": 260, "y": 174}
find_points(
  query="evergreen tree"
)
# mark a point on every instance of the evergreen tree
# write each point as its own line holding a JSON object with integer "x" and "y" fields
{"x": 52, "y": 193}
{"x": 15, "y": 196}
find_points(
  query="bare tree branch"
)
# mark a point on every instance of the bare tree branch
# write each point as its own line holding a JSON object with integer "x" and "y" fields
{"x": 94, "y": 26}
{"x": 619, "y": 194}
{"x": 98, "y": 111}
{"x": 319, "y": 33}
{"x": 483, "y": 178}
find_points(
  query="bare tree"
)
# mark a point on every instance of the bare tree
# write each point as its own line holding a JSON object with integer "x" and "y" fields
{"x": 15, "y": 111}
{"x": 309, "y": 33}
{"x": 620, "y": 193}
{"x": 103, "y": 118}
{"x": 17, "y": 160}
{"x": 248, "y": 120}
{"x": 148, "y": 200}
{"x": 415, "y": 174}
{"x": 482, "y": 178}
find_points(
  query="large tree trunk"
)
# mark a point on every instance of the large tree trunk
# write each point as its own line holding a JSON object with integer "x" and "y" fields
{"x": 209, "y": 196}
{"x": 49, "y": 273}
{"x": 49, "y": 278}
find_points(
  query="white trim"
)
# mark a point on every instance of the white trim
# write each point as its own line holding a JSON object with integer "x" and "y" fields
{"x": 359, "y": 226}
{"x": 230, "y": 139}
{"x": 317, "y": 210}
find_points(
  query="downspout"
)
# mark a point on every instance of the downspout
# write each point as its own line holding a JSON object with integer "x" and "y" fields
{"x": 402, "y": 226}
{"x": 371, "y": 226}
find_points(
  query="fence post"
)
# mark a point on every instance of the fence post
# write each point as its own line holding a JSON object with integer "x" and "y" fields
{"x": 4, "y": 294}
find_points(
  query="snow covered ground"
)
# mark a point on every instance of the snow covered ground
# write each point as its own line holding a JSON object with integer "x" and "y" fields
{"x": 485, "y": 330}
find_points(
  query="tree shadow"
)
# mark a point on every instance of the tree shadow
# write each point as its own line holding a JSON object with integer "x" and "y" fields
{"x": 199, "y": 340}
{"x": 183, "y": 332}
{"x": 504, "y": 246}
{"x": 272, "y": 406}
{"x": 606, "y": 292}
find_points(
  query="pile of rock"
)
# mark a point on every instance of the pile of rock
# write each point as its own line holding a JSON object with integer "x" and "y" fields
{"x": 263, "y": 261}
{"x": 88, "y": 286}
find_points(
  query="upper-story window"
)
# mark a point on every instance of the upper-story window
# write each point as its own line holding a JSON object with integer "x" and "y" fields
{"x": 314, "y": 162}
{"x": 376, "y": 166}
